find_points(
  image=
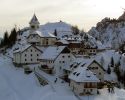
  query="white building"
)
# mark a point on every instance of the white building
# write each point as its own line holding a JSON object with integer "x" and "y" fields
{"x": 83, "y": 81}
{"x": 92, "y": 65}
{"x": 56, "y": 57}
{"x": 37, "y": 37}
{"x": 27, "y": 54}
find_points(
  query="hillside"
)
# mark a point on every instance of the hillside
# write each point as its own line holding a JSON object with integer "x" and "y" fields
{"x": 61, "y": 27}
{"x": 111, "y": 32}
{"x": 15, "y": 85}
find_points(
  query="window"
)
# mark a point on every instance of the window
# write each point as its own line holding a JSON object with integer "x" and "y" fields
{"x": 91, "y": 90}
{"x": 25, "y": 60}
{"x": 59, "y": 61}
{"x": 33, "y": 27}
{"x": 78, "y": 83}
{"x": 68, "y": 56}
{"x": 25, "y": 55}
{"x": 77, "y": 74}
{"x": 31, "y": 50}
{"x": 31, "y": 59}
{"x": 63, "y": 62}
{"x": 63, "y": 56}
{"x": 37, "y": 54}
{"x": 31, "y": 54}
{"x": 74, "y": 73}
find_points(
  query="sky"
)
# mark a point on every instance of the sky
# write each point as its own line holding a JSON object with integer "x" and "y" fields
{"x": 83, "y": 13}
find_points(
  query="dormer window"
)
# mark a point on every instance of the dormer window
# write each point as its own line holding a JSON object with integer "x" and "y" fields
{"x": 74, "y": 73}
{"x": 68, "y": 56}
{"x": 77, "y": 74}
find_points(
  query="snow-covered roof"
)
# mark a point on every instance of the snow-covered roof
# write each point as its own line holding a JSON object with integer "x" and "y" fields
{"x": 63, "y": 41}
{"x": 52, "y": 52}
{"x": 42, "y": 34}
{"x": 82, "y": 74}
{"x": 84, "y": 62}
{"x": 22, "y": 48}
{"x": 34, "y": 20}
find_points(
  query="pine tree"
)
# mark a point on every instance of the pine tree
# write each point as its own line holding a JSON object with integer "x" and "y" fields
{"x": 55, "y": 32}
{"x": 112, "y": 62}
{"x": 117, "y": 71}
{"x": 13, "y": 36}
{"x": 109, "y": 70}
{"x": 1, "y": 44}
{"x": 6, "y": 39}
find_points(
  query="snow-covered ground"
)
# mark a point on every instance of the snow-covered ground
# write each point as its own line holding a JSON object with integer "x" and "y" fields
{"x": 118, "y": 95}
{"x": 15, "y": 85}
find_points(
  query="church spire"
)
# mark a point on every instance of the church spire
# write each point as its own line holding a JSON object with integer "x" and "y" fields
{"x": 34, "y": 23}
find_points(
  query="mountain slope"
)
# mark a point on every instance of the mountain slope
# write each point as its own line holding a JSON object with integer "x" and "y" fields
{"x": 110, "y": 32}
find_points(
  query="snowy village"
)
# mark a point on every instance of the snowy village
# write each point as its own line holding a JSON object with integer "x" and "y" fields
{"x": 58, "y": 61}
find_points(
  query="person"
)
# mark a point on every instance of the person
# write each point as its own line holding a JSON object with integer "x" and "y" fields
{"x": 108, "y": 86}
{"x": 112, "y": 89}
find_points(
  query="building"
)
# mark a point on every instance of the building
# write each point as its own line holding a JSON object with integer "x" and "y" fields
{"x": 37, "y": 37}
{"x": 83, "y": 81}
{"x": 87, "y": 48}
{"x": 56, "y": 57}
{"x": 91, "y": 64}
{"x": 27, "y": 54}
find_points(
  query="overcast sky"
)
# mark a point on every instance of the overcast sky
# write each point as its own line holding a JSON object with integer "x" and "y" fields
{"x": 84, "y": 13}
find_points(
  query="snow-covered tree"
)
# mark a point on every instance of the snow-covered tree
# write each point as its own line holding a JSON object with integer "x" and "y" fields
{"x": 109, "y": 70}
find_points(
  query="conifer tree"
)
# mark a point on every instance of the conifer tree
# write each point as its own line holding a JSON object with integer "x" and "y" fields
{"x": 55, "y": 32}
{"x": 109, "y": 70}
{"x": 6, "y": 39}
{"x": 13, "y": 36}
{"x": 112, "y": 62}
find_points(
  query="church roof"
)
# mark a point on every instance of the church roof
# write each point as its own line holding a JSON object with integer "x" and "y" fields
{"x": 43, "y": 34}
{"x": 34, "y": 20}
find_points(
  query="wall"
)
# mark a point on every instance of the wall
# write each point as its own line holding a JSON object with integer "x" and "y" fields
{"x": 48, "y": 41}
{"x": 62, "y": 62}
{"x": 99, "y": 72}
{"x": 79, "y": 89}
{"x": 34, "y": 38}
{"x": 32, "y": 54}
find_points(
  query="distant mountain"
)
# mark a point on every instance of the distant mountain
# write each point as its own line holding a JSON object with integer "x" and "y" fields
{"x": 122, "y": 17}
{"x": 111, "y": 32}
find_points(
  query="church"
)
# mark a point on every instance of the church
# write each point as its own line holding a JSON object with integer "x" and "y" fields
{"x": 37, "y": 37}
